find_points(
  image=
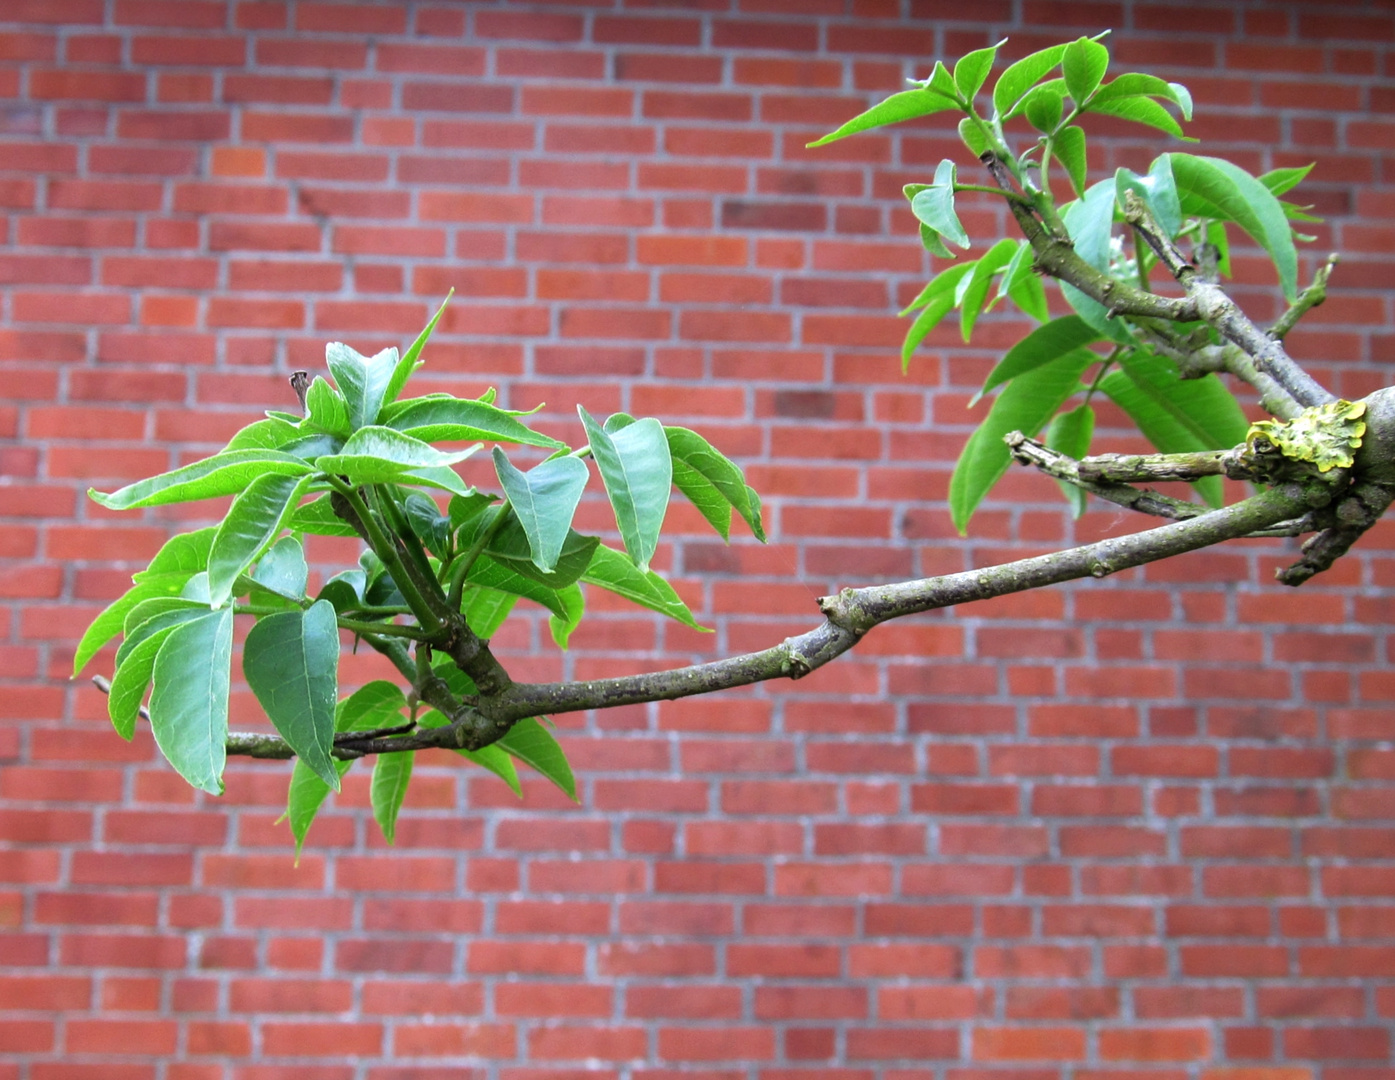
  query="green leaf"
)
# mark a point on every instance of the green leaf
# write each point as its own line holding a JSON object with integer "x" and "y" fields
{"x": 378, "y": 455}
{"x": 573, "y": 602}
{"x": 937, "y": 299}
{"x": 712, "y": 482}
{"x": 1215, "y": 188}
{"x": 935, "y": 206}
{"x": 253, "y": 521}
{"x": 637, "y": 469}
{"x": 1141, "y": 110}
{"x": 1203, "y": 406}
{"x": 307, "y": 792}
{"x": 906, "y": 105}
{"x": 440, "y": 477}
{"x": 1280, "y": 181}
{"x": 363, "y": 380}
{"x": 1044, "y": 109}
{"x": 1083, "y": 67}
{"x": 113, "y": 618}
{"x": 1020, "y": 282}
{"x": 491, "y": 574}
{"x": 282, "y": 570}
{"x": 153, "y": 615}
{"x": 391, "y": 775}
{"x": 429, "y": 525}
{"x": 410, "y": 362}
{"x": 941, "y": 82}
{"x": 183, "y": 553}
{"x": 486, "y": 609}
{"x": 512, "y": 547}
{"x": 613, "y": 571}
{"x": 1136, "y": 85}
{"x": 534, "y": 745}
{"x": 1021, "y": 76}
{"x": 189, "y": 706}
{"x": 378, "y": 704}
{"x": 269, "y": 434}
{"x": 319, "y": 518}
{"x": 972, "y": 70}
{"x": 1159, "y": 426}
{"x": 222, "y": 474}
{"x": 544, "y": 500}
{"x": 464, "y": 509}
{"x": 1042, "y": 346}
{"x": 1158, "y": 190}
{"x": 129, "y": 683}
{"x": 491, "y": 757}
{"x": 291, "y": 661}
{"x": 976, "y": 290}
{"x": 326, "y": 409}
{"x": 1217, "y": 237}
{"x": 441, "y": 419}
{"x": 1090, "y": 221}
{"x": 1069, "y": 147}
{"x": 1025, "y": 405}
{"x": 972, "y": 134}
{"x": 1070, "y": 434}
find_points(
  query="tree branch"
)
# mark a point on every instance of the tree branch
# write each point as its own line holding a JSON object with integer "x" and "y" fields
{"x": 1221, "y": 312}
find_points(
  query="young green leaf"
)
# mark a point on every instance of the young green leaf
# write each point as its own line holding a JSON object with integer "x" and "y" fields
{"x": 253, "y": 521}
{"x": 319, "y": 518}
{"x": 1089, "y": 221}
{"x": 131, "y": 680}
{"x": 222, "y": 474}
{"x": 937, "y": 300}
{"x": 544, "y": 500}
{"x": 613, "y": 571}
{"x": 1215, "y": 188}
{"x": 282, "y": 570}
{"x": 427, "y": 522}
{"x": 1135, "y": 85}
{"x": 971, "y": 131}
{"x": 511, "y": 547}
{"x": 486, "y": 609}
{"x": 1069, "y": 148}
{"x": 1157, "y": 189}
{"x": 269, "y": 434}
{"x": 907, "y": 105}
{"x": 189, "y": 705}
{"x": 712, "y": 482}
{"x": 573, "y": 603}
{"x": 972, "y": 70}
{"x": 935, "y": 206}
{"x": 1083, "y": 67}
{"x": 110, "y": 622}
{"x": 326, "y": 410}
{"x": 1142, "y": 110}
{"x": 410, "y": 362}
{"x": 534, "y": 745}
{"x": 1042, "y": 346}
{"x": 1280, "y": 181}
{"x": 975, "y": 291}
{"x": 1021, "y": 76}
{"x": 306, "y": 793}
{"x": 1070, "y": 434}
{"x": 1043, "y": 110}
{"x": 1160, "y": 426}
{"x": 378, "y": 455}
{"x": 378, "y": 704}
{"x": 1016, "y": 274}
{"x": 441, "y": 419}
{"x": 637, "y": 469}
{"x": 1025, "y": 405}
{"x": 363, "y": 380}
{"x": 391, "y": 775}
{"x": 1203, "y": 406}
{"x": 291, "y": 661}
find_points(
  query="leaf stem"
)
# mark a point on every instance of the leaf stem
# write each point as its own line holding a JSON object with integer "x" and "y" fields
{"x": 416, "y": 633}
{"x": 387, "y": 552}
{"x": 467, "y": 559}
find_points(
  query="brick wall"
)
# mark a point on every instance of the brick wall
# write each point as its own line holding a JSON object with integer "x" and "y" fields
{"x": 1139, "y": 828}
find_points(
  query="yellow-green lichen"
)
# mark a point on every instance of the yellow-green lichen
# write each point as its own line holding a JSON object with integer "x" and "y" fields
{"x": 1326, "y": 435}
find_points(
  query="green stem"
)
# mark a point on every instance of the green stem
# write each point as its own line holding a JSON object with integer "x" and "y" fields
{"x": 1012, "y": 195}
{"x": 387, "y": 552}
{"x": 475, "y": 550}
{"x": 416, "y": 633}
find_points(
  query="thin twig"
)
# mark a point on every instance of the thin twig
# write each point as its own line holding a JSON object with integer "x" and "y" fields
{"x": 1308, "y": 299}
